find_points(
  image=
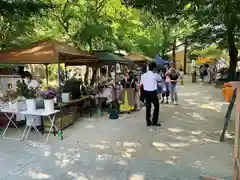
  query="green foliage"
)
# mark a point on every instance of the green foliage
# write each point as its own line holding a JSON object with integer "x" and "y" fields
{"x": 96, "y": 25}
{"x": 210, "y": 51}
{"x": 24, "y": 91}
{"x": 19, "y": 8}
{"x": 213, "y": 22}
{"x": 218, "y": 23}
{"x": 16, "y": 21}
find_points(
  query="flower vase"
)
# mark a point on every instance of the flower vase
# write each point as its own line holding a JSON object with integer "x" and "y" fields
{"x": 31, "y": 104}
{"x": 49, "y": 105}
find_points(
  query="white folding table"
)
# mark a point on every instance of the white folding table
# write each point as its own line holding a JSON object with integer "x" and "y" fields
{"x": 40, "y": 112}
{"x": 13, "y": 112}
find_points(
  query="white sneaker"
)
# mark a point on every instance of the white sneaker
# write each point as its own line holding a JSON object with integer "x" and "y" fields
{"x": 175, "y": 103}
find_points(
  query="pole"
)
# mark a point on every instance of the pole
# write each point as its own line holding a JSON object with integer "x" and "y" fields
{"x": 60, "y": 100}
{"x": 47, "y": 73}
{"x": 185, "y": 56}
{"x": 174, "y": 53}
{"x": 228, "y": 115}
{"x": 236, "y": 175}
{"x": 65, "y": 69}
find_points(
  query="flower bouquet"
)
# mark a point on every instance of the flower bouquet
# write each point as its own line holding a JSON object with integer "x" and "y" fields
{"x": 48, "y": 95}
{"x": 11, "y": 95}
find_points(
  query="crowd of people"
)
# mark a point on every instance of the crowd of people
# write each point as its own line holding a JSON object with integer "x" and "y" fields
{"x": 207, "y": 73}
{"x": 158, "y": 84}
{"x": 153, "y": 85}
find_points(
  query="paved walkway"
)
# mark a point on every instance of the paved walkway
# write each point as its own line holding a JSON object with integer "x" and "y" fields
{"x": 102, "y": 149}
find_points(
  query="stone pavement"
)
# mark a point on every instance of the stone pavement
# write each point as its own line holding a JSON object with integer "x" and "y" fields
{"x": 101, "y": 149}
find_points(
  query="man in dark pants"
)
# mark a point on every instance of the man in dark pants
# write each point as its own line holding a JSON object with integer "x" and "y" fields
{"x": 149, "y": 80}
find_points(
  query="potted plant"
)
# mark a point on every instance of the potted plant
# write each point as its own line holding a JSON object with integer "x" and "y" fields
{"x": 29, "y": 93}
{"x": 48, "y": 96}
{"x": 72, "y": 86}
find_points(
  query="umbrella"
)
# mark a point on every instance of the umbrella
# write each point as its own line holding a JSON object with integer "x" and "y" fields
{"x": 160, "y": 61}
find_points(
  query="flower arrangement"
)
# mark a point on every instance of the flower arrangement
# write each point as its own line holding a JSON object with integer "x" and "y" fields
{"x": 11, "y": 95}
{"x": 49, "y": 93}
{"x": 24, "y": 91}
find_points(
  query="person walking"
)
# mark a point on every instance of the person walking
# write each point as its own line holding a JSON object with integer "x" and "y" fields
{"x": 137, "y": 94}
{"x": 165, "y": 84}
{"x": 174, "y": 75}
{"x": 202, "y": 72}
{"x": 142, "y": 97}
{"x": 149, "y": 80}
{"x": 159, "y": 85}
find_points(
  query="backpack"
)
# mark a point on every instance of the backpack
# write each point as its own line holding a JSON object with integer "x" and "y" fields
{"x": 174, "y": 76}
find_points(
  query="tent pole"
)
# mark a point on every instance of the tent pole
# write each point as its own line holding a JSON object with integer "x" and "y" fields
{"x": 47, "y": 74}
{"x": 60, "y": 99}
{"x": 65, "y": 69}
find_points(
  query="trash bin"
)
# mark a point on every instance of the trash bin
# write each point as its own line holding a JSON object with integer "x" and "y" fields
{"x": 227, "y": 92}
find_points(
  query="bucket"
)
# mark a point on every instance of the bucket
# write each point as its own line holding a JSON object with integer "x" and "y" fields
{"x": 49, "y": 105}
{"x": 65, "y": 97}
{"x": 31, "y": 104}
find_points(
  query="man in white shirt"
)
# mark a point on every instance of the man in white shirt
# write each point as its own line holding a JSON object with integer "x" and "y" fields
{"x": 149, "y": 80}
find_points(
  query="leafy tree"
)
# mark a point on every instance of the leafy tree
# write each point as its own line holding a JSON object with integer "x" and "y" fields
{"x": 169, "y": 14}
{"x": 15, "y": 20}
{"x": 217, "y": 21}
{"x": 18, "y": 8}
{"x": 211, "y": 51}
{"x": 221, "y": 25}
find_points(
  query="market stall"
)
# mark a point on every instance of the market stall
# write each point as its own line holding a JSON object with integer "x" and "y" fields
{"x": 48, "y": 52}
{"x": 138, "y": 58}
{"x": 116, "y": 93}
{"x": 107, "y": 88}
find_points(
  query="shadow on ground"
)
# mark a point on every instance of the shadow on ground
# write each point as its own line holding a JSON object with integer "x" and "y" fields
{"x": 101, "y": 149}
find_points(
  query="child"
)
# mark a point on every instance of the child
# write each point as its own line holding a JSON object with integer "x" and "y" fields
{"x": 181, "y": 73}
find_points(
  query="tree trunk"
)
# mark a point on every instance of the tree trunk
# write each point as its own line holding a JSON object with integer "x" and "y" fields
{"x": 174, "y": 53}
{"x": 233, "y": 53}
{"x": 163, "y": 53}
{"x": 233, "y": 64}
{"x": 185, "y": 56}
{"x": 86, "y": 82}
{"x": 86, "y": 75}
{"x": 94, "y": 76}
